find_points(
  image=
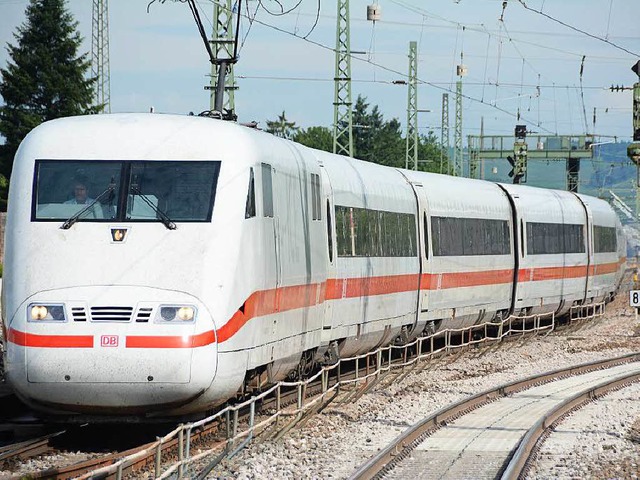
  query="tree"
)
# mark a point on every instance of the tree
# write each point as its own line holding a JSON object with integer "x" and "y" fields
{"x": 432, "y": 156}
{"x": 379, "y": 141}
{"x": 45, "y": 77}
{"x": 320, "y": 138}
{"x": 282, "y": 127}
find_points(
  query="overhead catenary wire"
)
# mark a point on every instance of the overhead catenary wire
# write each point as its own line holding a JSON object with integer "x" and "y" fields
{"x": 382, "y": 67}
{"x": 481, "y": 28}
{"x": 433, "y": 83}
{"x": 540, "y": 12}
{"x": 609, "y": 19}
{"x": 403, "y": 74}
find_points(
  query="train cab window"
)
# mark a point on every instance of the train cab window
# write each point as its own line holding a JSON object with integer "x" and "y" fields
{"x": 63, "y": 189}
{"x": 250, "y": 208}
{"x": 267, "y": 190}
{"x": 132, "y": 191}
{"x": 178, "y": 191}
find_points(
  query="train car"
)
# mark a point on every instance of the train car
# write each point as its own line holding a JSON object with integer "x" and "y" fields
{"x": 156, "y": 265}
{"x": 468, "y": 264}
{"x": 553, "y": 255}
{"x": 607, "y": 248}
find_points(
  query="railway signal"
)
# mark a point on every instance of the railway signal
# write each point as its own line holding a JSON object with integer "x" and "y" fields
{"x": 633, "y": 150}
{"x": 518, "y": 161}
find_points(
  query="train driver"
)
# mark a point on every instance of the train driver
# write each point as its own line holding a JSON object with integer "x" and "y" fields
{"x": 81, "y": 197}
{"x": 80, "y": 194}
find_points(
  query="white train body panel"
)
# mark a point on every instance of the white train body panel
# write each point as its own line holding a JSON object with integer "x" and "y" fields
{"x": 281, "y": 253}
{"x": 606, "y": 269}
{"x": 464, "y": 284}
{"x": 549, "y": 278}
{"x": 371, "y": 297}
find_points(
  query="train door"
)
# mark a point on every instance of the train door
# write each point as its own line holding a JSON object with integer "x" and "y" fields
{"x": 588, "y": 239}
{"x": 272, "y": 266}
{"x": 423, "y": 252}
{"x": 518, "y": 244}
{"x": 329, "y": 321}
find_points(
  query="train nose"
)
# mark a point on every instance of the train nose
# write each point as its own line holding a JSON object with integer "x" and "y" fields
{"x": 114, "y": 357}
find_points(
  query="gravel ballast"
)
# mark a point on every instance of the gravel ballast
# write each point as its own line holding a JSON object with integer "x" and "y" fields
{"x": 602, "y": 444}
{"x": 600, "y": 441}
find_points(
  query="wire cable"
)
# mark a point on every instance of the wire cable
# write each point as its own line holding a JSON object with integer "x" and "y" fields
{"x": 540, "y": 12}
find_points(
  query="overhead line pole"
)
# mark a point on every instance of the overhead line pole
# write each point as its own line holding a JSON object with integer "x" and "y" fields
{"x": 457, "y": 137}
{"x": 100, "y": 53}
{"x": 444, "y": 133}
{"x": 222, "y": 84}
{"x": 342, "y": 112}
{"x": 412, "y": 109}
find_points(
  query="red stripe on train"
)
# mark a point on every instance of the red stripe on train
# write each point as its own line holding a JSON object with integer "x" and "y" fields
{"x": 154, "y": 341}
{"x": 49, "y": 341}
{"x": 267, "y": 302}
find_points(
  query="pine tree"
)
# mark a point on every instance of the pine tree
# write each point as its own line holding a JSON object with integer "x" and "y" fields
{"x": 282, "y": 127}
{"x": 45, "y": 77}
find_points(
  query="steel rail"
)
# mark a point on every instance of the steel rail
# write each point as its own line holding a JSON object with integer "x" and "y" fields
{"x": 307, "y": 397}
{"x": 528, "y": 447}
{"x": 402, "y": 445}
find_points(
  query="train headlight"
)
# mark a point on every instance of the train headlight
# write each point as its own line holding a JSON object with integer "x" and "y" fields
{"x": 51, "y": 313}
{"x": 168, "y": 313}
{"x": 39, "y": 312}
{"x": 176, "y": 313}
{"x": 186, "y": 314}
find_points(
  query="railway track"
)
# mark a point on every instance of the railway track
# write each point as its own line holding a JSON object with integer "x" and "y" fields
{"x": 494, "y": 434}
{"x": 283, "y": 407}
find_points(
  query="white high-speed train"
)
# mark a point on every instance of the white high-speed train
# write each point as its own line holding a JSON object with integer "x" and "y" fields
{"x": 155, "y": 264}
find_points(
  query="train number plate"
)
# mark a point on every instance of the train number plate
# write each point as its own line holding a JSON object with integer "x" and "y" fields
{"x": 634, "y": 298}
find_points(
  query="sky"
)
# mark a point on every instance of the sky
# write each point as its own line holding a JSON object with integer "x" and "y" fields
{"x": 526, "y": 62}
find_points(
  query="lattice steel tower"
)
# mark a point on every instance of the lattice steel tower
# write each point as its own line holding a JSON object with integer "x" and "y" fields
{"x": 100, "y": 53}
{"x": 342, "y": 113}
{"x": 457, "y": 136}
{"x": 412, "y": 109}
{"x": 222, "y": 42}
{"x": 444, "y": 133}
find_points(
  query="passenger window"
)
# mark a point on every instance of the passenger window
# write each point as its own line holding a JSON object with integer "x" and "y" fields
{"x": 267, "y": 192}
{"x": 426, "y": 237}
{"x": 250, "y": 208}
{"x": 329, "y": 232}
{"x": 315, "y": 197}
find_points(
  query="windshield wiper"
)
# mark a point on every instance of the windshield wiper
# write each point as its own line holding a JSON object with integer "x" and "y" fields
{"x": 110, "y": 190}
{"x": 164, "y": 218}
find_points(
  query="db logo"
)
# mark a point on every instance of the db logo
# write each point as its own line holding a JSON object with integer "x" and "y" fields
{"x": 109, "y": 341}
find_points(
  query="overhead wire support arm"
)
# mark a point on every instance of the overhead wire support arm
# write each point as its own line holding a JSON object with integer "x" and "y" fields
{"x": 222, "y": 63}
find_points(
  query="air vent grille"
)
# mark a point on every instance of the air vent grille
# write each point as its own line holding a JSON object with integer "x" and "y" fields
{"x": 79, "y": 314}
{"x": 144, "y": 314}
{"x": 111, "y": 314}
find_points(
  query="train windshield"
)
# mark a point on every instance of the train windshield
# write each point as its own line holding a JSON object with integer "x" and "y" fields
{"x": 94, "y": 191}
{"x": 183, "y": 191}
{"x": 63, "y": 189}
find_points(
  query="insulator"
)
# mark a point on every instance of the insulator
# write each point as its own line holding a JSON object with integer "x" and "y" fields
{"x": 374, "y": 12}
